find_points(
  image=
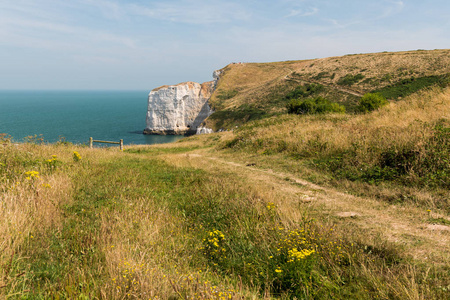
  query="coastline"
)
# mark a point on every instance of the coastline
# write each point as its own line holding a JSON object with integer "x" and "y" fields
{"x": 75, "y": 116}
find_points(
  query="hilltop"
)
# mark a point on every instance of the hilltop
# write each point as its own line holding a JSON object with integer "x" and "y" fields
{"x": 251, "y": 91}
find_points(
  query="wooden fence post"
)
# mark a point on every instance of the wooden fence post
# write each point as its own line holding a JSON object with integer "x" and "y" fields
{"x": 92, "y": 141}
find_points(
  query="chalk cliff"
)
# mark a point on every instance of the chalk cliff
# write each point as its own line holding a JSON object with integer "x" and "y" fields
{"x": 179, "y": 109}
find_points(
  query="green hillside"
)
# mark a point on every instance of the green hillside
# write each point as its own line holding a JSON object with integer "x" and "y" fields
{"x": 295, "y": 199}
{"x": 252, "y": 91}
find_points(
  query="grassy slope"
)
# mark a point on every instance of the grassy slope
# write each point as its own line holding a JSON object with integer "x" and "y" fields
{"x": 261, "y": 87}
{"x": 219, "y": 216}
{"x": 157, "y": 223}
{"x": 404, "y": 145}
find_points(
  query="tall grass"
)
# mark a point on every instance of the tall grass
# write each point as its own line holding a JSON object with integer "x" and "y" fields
{"x": 263, "y": 87}
{"x": 32, "y": 187}
{"x": 128, "y": 226}
{"x": 405, "y": 142}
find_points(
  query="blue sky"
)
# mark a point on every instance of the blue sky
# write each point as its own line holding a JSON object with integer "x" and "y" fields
{"x": 142, "y": 44}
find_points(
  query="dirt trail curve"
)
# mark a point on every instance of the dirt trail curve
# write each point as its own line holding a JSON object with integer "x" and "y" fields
{"x": 404, "y": 226}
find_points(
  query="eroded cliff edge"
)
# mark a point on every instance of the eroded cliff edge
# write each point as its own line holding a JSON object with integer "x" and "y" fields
{"x": 179, "y": 109}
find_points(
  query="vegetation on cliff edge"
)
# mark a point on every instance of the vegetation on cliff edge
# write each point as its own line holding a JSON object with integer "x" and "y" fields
{"x": 285, "y": 206}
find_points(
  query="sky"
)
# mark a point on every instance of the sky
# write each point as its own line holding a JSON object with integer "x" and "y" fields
{"x": 143, "y": 44}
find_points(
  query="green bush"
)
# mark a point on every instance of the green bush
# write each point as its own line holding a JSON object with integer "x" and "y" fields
{"x": 350, "y": 79}
{"x": 317, "y": 105}
{"x": 371, "y": 102}
{"x": 303, "y": 91}
{"x": 320, "y": 75}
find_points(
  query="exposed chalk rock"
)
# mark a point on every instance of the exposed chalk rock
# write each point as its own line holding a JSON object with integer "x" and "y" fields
{"x": 181, "y": 108}
{"x": 204, "y": 130}
{"x": 178, "y": 109}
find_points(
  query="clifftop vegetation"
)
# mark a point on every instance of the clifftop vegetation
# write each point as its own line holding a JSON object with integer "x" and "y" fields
{"x": 300, "y": 201}
{"x": 390, "y": 149}
{"x": 252, "y": 91}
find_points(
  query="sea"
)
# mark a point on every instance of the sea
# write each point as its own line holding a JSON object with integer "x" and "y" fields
{"x": 75, "y": 116}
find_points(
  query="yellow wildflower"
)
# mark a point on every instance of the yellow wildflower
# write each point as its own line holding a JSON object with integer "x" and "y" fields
{"x": 76, "y": 156}
{"x": 32, "y": 174}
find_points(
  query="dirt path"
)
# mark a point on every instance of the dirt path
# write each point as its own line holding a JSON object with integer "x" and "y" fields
{"x": 406, "y": 227}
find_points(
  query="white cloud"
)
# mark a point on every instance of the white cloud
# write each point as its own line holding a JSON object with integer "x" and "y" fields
{"x": 52, "y": 35}
{"x": 125, "y": 38}
{"x": 344, "y": 24}
{"x": 302, "y": 13}
{"x": 378, "y": 11}
{"x": 193, "y": 11}
{"x": 109, "y": 9}
{"x": 179, "y": 11}
{"x": 393, "y": 7}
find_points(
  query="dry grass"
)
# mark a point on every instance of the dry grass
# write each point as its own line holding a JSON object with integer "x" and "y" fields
{"x": 397, "y": 65}
{"x": 131, "y": 239}
{"x": 404, "y": 124}
{"x": 148, "y": 256}
{"x": 28, "y": 207}
{"x": 250, "y": 76}
{"x": 396, "y": 125}
{"x": 31, "y": 208}
{"x": 135, "y": 243}
{"x": 260, "y": 84}
{"x": 295, "y": 202}
{"x": 401, "y": 123}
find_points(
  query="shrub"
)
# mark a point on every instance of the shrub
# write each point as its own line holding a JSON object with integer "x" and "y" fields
{"x": 303, "y": 91}
{"x": 371, "y": 102}
{"x": 350, "y": 79}
{"x": 229, "y": 118}
{"x": 411, "y": 85}
{"x": 317, "y": 105}
{"x": 421, "y": 163}
{"x": 433, "y": 166}
{"x": 320, "y": 75}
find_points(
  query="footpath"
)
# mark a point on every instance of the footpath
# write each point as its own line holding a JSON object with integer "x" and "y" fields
{"x": 405, "y": 227}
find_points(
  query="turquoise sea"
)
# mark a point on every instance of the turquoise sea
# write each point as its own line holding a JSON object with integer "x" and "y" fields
{"x": 77, "y": 115}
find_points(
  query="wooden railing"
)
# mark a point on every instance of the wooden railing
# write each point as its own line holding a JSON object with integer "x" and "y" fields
{"x": 92, "y": 141}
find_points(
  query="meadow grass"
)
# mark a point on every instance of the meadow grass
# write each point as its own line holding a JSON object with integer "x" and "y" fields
{"x": 164, "y": 222}
{"x": 260, "y": 88}
{"x": 102, "y": 224}
{"x": 404, "y": 144}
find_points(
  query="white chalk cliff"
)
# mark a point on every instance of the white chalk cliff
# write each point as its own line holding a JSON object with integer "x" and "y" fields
{"x": 179, "y": 109}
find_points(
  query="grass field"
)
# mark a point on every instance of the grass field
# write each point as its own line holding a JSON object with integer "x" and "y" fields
{"x": 284, "y": 206}
{"x": 253, "y": 91}
{"x": 149, "y": 224}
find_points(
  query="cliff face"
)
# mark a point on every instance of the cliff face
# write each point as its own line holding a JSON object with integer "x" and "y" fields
{"x": 178, "y": 109}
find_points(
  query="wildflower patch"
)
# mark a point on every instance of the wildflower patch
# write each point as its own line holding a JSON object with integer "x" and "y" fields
{"x": 76, "y": 156}
{"x": 52, "y": 163}
{"x": 32, "y": 175}
{"x": 214, "y": 246}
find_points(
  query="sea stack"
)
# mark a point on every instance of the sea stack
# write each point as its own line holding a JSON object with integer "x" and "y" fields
{"x": 179, "y": 109}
